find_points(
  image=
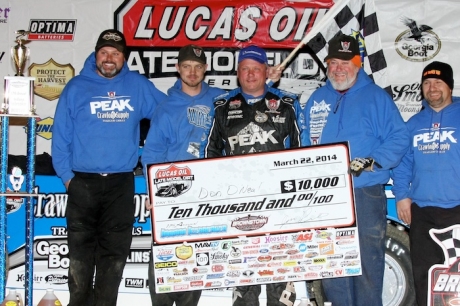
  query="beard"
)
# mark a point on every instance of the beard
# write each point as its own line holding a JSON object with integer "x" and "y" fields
{"x": 108, "y": 73}
{"x": 349, "y": 81}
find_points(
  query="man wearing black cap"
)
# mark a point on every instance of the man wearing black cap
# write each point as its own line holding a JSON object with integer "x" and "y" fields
{"x": 175, "y": 133}
{"x": 249, "y": 119}
{"x": 95, "y": 149}
{"x": 426, "y": 183}
{"x": 350, "y": 107}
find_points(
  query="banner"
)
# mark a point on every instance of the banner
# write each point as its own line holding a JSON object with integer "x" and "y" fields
{"x": 253, "y": 219}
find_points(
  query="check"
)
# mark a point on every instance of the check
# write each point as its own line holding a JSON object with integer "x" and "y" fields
{"x": 256, "y": 194}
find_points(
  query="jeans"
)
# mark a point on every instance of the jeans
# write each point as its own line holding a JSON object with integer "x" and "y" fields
{"x": 278, "y": 294}
{"x": 366, "y": 289}
{"x": 100, "y": 216}
{"x": 187, "y": 298}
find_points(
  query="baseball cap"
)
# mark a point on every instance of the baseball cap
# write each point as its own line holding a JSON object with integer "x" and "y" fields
{"x": 192, "y": 53}
{"x": 439, "y": 70}
{"x": 254, "y": 53}
{"x": 112, "y": 38}
{"x": 343, "y": 47}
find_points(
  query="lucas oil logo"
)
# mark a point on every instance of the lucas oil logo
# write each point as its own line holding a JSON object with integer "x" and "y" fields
{"x": 173, "y": 181}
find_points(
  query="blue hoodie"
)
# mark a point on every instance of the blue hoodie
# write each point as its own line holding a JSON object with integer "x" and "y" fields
{"x": 178, "y": 125}
{"x": 429, "y": 173}
{"x": 96, "y": 124}
{"x": 366, "y": 117}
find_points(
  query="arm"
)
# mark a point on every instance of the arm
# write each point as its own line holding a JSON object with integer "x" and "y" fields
{"x": 61, "y": 143}
{"x": 212, "y": 145}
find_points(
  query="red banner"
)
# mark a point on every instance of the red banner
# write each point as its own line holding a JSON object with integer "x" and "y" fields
{"x": 272, "y": 24}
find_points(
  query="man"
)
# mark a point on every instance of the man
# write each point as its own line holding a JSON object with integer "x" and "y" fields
{"x": 350, "y": 107}
{"x": 426, "y": 184}
{"x": 177, "y": 130}
{"x": 254, "y": 118}
{"x": 95, "y": 149}
{"x": 175, "y": 134}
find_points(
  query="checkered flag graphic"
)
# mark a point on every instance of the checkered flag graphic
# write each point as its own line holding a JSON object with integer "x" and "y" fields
{"x": 449, "y": 240}
{"x": 358, "y": 19}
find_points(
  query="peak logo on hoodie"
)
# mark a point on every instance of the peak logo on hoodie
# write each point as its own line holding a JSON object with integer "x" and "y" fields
{"x": 436, "y": 140}
{"x": 111, "y": 108}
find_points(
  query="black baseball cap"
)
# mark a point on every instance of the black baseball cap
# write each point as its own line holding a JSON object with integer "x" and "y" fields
{"x": 343, "y": 47}
{"x": 192, "y": 53}
{"x": 112, "y": 38}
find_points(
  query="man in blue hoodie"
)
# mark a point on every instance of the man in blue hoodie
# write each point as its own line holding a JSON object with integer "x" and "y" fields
{"x": 95, "y": 149}
{"x": 426, "y": 183}
{"x": 176, "y": 132}
{"x": 350, "y": 107}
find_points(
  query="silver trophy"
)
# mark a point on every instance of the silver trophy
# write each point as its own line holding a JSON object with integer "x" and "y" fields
{"x": 20, "y": 53}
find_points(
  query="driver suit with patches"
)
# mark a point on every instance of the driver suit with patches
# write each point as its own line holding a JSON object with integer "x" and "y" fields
{"x": 244, "y": 124}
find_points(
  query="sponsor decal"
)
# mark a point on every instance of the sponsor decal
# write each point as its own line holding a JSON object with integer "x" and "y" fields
{"x": 235, "y": 252}
{"x": 279, "y": 278}
{"x": 250, "y": 222}
{"x": 178, "y": 272}
{"x": 234, "y": 273}
{"x": 213, "y": 284}
{"x": 196, "y": 284}
{"x": 164, "y": 289}
{"x": 56, "y": 279}
{"x": 248, "y": 273}
{"x": 52, "y": 29}
{"x": 217, "y": 268}
{"x": 418, "y": 43}
{"x": 184, "y": 252}
{"x": 193, "y": 278}
{"x": 264, "y": 258}
{"x": 326, "y": 274}
{"x": 302, "y": 237}
{"x": 181, "y": 287}
{"x": 134, "y": 283}
{"x": 202, "y": 259}
{"x": 165, "y": 265}
{"x": 50, "y": 78}
{"x": 348, "y": 234}
{"x": 265, "y": 272}
{"x": 226, "y": 245}
{"x": 215, "y": 275}
{"x": 172, "y": 182}
{"x": 199, "y": 270}
{"x": 229, "y": 282}
{"x": 164, "y": 254}
{"x": 219, "y": 257}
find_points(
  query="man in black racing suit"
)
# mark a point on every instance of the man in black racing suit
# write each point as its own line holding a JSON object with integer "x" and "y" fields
{"x": 254, "y": 118}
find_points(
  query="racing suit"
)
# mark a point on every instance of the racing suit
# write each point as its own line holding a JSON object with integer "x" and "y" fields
{"x": 244, "y": 124}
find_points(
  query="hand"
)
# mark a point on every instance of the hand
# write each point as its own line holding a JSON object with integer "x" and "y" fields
{"x": 403, "y": 208}
{"x": 67, "y": 184}
{"x": 274, "y": 73}
{"x": 359, "y": 164}
{"x": 148, "y": 205}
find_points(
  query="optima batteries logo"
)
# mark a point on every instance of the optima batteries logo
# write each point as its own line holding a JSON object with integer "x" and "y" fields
{"x": 52, "y": 29}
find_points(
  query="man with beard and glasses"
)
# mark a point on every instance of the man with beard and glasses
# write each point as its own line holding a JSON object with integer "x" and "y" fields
{"x": 95, "y": 150}
{"x": 350, "y": 107}
{"x": 426, "y": 183}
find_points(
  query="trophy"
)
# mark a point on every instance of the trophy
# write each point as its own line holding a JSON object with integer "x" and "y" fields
{"x": 19, "y": 90}
{"x": 20, "y": 53}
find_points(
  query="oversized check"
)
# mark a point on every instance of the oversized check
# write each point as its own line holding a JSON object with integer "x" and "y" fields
{"x": 273, "y": 192}
{"x": 253, "y": 219}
